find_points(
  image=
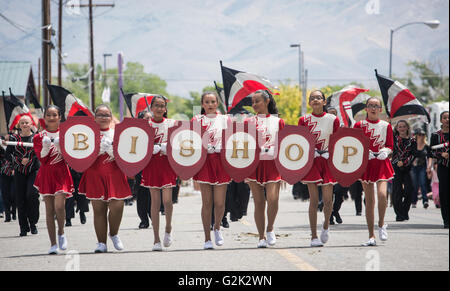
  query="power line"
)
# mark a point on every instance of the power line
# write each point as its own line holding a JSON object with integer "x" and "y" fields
{"x": 18, "y": 26}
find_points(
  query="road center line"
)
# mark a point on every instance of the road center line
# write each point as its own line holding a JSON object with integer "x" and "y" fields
{"x": 296, "y": 260}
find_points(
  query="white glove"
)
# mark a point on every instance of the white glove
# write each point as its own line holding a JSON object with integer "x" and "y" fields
{"x": 106, "y": 146}
{"x": 267, "y": 153}
{"x": 371, "y": 155}
{"x": 325, "y": 155}
{"x": 164, "y": 148}
{"x": 156, "y": 149}
{"x": 211, "y": 149}
{"x": 388, "y": 151}
{"x": 316, "y": 154}
{"x": 46, "y": 144}
{"x": 382, "y": 155}
{"x": 56, "y": 142}
{"x": 218, "y": 148}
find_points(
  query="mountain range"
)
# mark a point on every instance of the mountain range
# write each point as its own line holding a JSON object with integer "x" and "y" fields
{"x": 183, "y": 41}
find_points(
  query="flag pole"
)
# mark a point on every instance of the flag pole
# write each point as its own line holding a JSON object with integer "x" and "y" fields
{"x": 224, "y": 93}
{"x": 120, "y": 63}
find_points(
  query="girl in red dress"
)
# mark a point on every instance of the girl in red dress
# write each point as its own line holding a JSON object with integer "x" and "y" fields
{"x": 213, "y": 179}
{"x": 53, "y": 180}
{"x": 322, "y": 125}
{"x": 158, "y": 176}
{"x": 379, "y": 169}
{"x": 266, "y": 178}
{"x": 105, "y": 185}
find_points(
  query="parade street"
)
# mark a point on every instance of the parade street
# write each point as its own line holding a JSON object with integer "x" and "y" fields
{"x": 419, "y": 244}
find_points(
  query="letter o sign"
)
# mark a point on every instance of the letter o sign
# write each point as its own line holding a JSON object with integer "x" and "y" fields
{"x": 296, "y": 153}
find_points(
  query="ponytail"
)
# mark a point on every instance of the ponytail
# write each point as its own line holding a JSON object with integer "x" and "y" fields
{"x": 272, "y": 106}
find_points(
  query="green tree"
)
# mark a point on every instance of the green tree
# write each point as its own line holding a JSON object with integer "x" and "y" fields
{"x": 433, "y": 83}
{"x": 134, "y": 80}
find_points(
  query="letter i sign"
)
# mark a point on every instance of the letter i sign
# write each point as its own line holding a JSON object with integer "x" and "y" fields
{"x": 133, "y": 145}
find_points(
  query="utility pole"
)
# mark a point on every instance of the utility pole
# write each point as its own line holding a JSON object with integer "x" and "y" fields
{"x": 91, "y": 59}
{"x": 305, "y": 84}
{"x": 59, "y": 42}
{"x": 304, "y": 76}
{"x": 91, "y": 48}
{"x": 39, "y": 80}
{"x": 46, "y": 61}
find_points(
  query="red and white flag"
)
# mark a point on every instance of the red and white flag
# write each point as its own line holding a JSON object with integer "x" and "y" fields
{"x": 14, "y": 109}
{"x": 398, "y": 100}
{"x": 67, "y": 102}
{"x": 239, "y": 85}
{"x": 138, "y": 102}
{"x": 348, "y": 102}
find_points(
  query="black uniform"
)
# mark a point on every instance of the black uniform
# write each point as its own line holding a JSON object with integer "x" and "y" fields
{"x": 82, "y": 202}
{"x": 439, "y": 138}
{"x": 7, "y": 178}
{"x": 27, "y": 197}
{"x": 404, "y": 149}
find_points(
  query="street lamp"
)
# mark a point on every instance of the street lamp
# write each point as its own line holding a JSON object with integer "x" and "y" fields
{"x": 300, "y": 61}
{"x": 432, "y": 24}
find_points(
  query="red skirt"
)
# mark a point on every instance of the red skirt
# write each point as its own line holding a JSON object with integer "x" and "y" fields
{"x": 54, "y": 179}
{"x": 104, "y": 181}
{"x": 213, "y": 172}
{"x": 320, "y": 173}
{"x": 265, "y": 173}
{"x": 158, "y": 174}
{"x": 378, "y": 170}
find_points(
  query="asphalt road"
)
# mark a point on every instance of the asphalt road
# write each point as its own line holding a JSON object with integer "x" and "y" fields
{"x": 419, "y": 244}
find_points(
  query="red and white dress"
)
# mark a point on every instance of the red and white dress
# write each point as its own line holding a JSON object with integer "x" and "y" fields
{"x": 158, "y": 174}
{"x": 104, "y": 180}
{"x": 381, "y": 139}
{"x": 53, "y": 176}
{"x": 213, "y": 172}
{"x": 322, "y": 127}
{"x": 267, "y": 171}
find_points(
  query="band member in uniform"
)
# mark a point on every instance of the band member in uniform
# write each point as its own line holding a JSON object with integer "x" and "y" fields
{"x": 106, "y": 186}
{"x": 53, "y": 180}
{"x": 265, "y": 181}
{"x": 379, "y": 169}
{"x": 143, "y": 199}
{"x": 321, "y": 125}
{"x": 158, "y": 175}
{"x": 81, "y": 201}
{"x": 402, "y": 157}
{"x": 7, "y": 178}
{"x": 212, "y": 178}
{"x": 441, "y": 154}
{"x": 26, "y": 165}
